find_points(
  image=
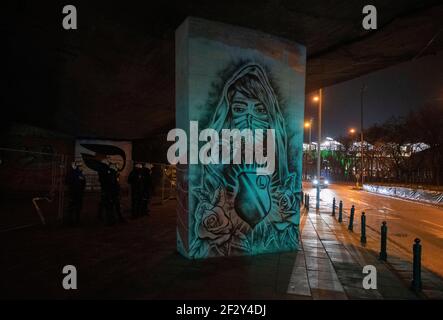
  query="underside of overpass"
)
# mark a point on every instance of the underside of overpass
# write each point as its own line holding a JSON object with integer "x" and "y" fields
{"x": 114, "y": 76}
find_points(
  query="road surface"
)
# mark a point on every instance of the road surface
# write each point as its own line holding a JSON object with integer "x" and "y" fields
{"x": 406, "y": 219}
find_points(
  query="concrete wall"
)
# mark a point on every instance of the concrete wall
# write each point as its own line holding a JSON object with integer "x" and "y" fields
{"x": 226, "y": 210}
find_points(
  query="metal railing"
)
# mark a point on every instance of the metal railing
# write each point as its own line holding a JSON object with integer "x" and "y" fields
{"x": 31, "y": 176}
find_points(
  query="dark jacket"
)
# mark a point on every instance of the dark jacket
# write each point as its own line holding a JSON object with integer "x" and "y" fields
{"x": 76, "y": 180}
{"x": 147, "y": 182}
{"x": 136, "y": 180}
{"x": 109, "y": 181}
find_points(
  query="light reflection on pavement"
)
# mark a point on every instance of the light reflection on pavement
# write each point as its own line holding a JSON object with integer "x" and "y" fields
{"x": 406, "y": 220}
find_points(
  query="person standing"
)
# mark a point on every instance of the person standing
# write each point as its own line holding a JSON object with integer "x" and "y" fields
{"x": 105, "y": 206}
{"x": 76, "y": 183}
{"x": 104, "y": 193}
{"x": 109, "y": 207}
{"x": 136, "y": 181}
{"x": 114, "y": 184}
{"x": 147, "y": 188}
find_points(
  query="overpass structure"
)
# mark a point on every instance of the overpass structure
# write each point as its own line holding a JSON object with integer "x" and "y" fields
{"x": 114, "y": 76}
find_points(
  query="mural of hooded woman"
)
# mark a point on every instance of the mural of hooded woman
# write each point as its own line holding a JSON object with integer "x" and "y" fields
{"x": 248, "y": 101}
{"x": 239, "y": 211}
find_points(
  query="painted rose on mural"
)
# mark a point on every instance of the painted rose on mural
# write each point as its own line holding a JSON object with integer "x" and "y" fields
{"x": 239, "y": 211}
{"x": 219, "y": 233}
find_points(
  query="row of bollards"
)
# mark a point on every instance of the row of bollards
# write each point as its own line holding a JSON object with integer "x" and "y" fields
{"x": 416, "y": 283}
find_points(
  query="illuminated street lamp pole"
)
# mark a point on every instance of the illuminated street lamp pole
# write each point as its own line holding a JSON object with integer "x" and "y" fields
{"x": 318, "y": 98}
{"x": 308, "y": 125}
{"x": 352, "y": 132}
{"x": 363, "y": 88}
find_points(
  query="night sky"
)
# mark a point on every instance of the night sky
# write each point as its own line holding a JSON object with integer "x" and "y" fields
{"x": 390, "y": 92}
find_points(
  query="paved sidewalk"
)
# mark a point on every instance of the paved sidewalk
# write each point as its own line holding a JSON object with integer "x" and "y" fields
{"x": 331, "y": 262}
{"x": 138, "y": 260}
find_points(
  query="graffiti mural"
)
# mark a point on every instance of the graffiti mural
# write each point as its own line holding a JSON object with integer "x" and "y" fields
{"x": 96, "y": 155}
{"x": 239, "y": 211}
{"x": 231, "y": 209}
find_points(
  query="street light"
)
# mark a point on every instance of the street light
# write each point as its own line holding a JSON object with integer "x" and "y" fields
{"x": 352, "y": 131}
{"x": 318, "y": 99}
{"x": 308, "y": 125}
{"x": 363, "y": 88}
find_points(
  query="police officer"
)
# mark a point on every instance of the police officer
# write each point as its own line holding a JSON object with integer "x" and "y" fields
{"x": 76, "y": 183}
{"x": 102, "y": 178}
{"x": 114, "y": 193}
{"x": 109, "y": 207}
{"x": 136, "y": 179}
{"x": 147, "y": 188}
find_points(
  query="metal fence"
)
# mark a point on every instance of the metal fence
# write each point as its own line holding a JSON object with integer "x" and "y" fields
{"x": 31, "y": 187}
{"x": 163, "y": 182}
{"x": 169, "y": 179}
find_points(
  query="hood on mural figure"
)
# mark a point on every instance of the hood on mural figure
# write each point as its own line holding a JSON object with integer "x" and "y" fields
{"x": 252, "y": 78}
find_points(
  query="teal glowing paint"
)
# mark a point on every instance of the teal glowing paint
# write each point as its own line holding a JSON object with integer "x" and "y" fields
{"x": 235, "y": 78}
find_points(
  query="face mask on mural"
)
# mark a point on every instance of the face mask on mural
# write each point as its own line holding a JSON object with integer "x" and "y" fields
{"x": 248, "y": 113}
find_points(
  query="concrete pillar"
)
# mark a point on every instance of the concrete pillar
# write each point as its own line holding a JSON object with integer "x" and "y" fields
{"x": 235, "y": 78}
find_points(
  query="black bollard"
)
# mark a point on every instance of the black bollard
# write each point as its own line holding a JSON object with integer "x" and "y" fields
{"x": 416, "y": 270}
{"x": 302, "y": 195}
{"x": 384, "y": 235}
{"x": 340, "y": 211}
{"x": 351, "y": 219}
{"x": 363, "y": 228}
{"x": 307, "y": 202}
{"x": 333, "y": 206}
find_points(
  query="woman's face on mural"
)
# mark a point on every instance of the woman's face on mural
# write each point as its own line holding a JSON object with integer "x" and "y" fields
{"x": 248, "y": 112}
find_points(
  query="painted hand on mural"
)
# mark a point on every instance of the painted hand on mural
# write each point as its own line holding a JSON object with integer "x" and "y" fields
{"x": 253, "y": 198}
